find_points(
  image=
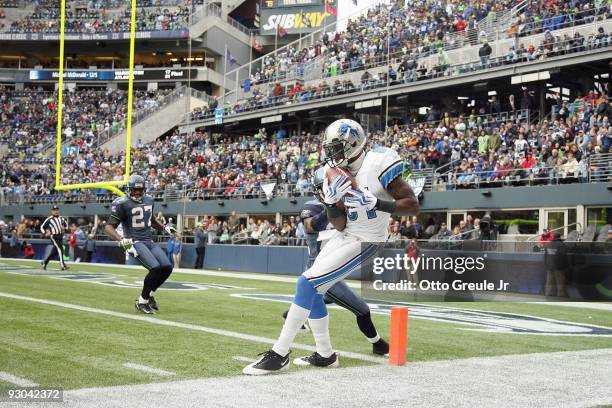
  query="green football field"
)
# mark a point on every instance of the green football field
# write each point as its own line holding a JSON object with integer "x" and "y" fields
{"x": 78, "y": 329}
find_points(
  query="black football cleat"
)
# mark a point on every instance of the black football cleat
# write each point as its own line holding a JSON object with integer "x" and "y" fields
{"x": 44, "y": 265}
{"x": 303, "y": 329}
{"x": 317, "y": 360}
{"x": 153, "y": 304}
{"x": 65, "y": 268}
{"x": 381, "y": 347}
{"x": 270, "y": 362}
{"x": 143, "y": 308}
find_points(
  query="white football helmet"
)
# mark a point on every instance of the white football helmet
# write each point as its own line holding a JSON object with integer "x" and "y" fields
{"x": 344, "y": 140}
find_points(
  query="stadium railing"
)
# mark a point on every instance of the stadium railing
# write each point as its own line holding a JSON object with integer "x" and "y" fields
{"x": 286, "y": 190}
{"x": 597, "y": 169}
{"x": 536, "y": 175}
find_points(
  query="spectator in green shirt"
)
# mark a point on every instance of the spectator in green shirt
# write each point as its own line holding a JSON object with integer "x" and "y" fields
{"x": 483, "y": 142}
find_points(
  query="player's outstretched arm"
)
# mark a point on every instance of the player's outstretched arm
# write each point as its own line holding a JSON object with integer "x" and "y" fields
{"x": 406, "y": 203}
{"x": 110, "y": 230}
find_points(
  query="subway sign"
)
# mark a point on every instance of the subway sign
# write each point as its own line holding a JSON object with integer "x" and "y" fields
{"x": 294, "y": 20}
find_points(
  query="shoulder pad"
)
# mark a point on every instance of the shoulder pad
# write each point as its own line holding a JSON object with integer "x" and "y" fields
{"x": 119, "y": 200}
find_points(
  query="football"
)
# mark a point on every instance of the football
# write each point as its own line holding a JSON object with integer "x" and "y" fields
{"x": 333, "y": 172}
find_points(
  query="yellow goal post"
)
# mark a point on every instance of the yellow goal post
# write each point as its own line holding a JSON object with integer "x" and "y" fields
{"x": 108, "y": 185}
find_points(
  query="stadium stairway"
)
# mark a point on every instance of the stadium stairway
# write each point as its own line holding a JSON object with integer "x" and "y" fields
{"x": 155, "y": 124}
{"x": 211, "y": 18}
{"x": 231, "y": 5}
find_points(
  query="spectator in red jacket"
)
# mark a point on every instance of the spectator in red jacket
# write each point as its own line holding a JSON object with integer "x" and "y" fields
{"x": 545, "y": 238}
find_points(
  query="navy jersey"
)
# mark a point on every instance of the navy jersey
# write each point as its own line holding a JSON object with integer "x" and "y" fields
{"x": 315, "y": 210}
{"x": 134, "y": 217}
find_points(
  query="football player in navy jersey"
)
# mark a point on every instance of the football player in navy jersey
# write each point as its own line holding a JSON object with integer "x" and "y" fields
{"x": 135, "y": 215}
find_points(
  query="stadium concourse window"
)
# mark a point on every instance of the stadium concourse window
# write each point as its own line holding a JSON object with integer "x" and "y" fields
{"x": 599, "y": 216}
{"x": 516, "y": 222}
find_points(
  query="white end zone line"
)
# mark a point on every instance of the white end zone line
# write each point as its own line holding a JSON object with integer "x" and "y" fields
{"x": 18, "y": 381}
{"x": 243, "y": 358}
{"x": 148, "y": 369}
{"x": 188, "y": 326}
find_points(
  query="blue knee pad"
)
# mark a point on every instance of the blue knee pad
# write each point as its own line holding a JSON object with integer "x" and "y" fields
{"x": 306, "y": 296}
{"x": 304, "y": 293}
{"x": 319, "y": 309}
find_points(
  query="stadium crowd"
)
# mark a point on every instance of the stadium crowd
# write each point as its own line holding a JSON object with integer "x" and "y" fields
{"x": 417, "y": 30}
{"x": 209, "y": 167}
{"x": 408, "y": 70}
{"x": 100, "y": 16}
{"x": 478, "y": 148}
{"x": 28, "y": 118}
{"x": 388, "y": 43}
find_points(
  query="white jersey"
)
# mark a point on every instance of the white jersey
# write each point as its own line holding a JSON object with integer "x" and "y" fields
{"x": 380, "y": 167}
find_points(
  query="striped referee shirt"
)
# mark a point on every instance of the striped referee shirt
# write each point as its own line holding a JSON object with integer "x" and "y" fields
{"x": 55, "y": 225}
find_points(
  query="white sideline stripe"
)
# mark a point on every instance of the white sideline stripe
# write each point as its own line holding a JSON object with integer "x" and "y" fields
{"x": 243, "y": 358}
{"x": 581, "y": 305}
{"x": 151, "y": 370}
{"x": 210, "y": 272}
{"x": 13, "y": 379}
{"x": 188, "y": 326}
{"x": 275, "y": 278}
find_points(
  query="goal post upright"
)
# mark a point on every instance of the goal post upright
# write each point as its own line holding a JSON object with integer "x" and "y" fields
{"x": 108, "y": 185}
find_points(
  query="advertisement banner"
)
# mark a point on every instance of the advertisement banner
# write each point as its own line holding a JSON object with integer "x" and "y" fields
{"x": 146, "y": 35}
{"x": 153, "y": 74}
{"x": 294, "y": 20}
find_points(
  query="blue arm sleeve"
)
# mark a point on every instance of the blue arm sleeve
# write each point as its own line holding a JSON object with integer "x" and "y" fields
{"x": 319, "y": 222}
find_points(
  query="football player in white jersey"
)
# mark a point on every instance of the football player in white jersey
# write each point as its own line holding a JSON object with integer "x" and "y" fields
{"x": 381, "y": 192}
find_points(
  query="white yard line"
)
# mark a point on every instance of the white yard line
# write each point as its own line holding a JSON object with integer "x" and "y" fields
{"x": 148, "y": 369}
{"x": 188, "y": 326}
{"x": 243, "y": 358}
{"x": 13, "y": 379}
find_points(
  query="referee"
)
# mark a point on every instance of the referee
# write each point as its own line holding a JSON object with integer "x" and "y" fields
{"x": 53, "y": 228}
